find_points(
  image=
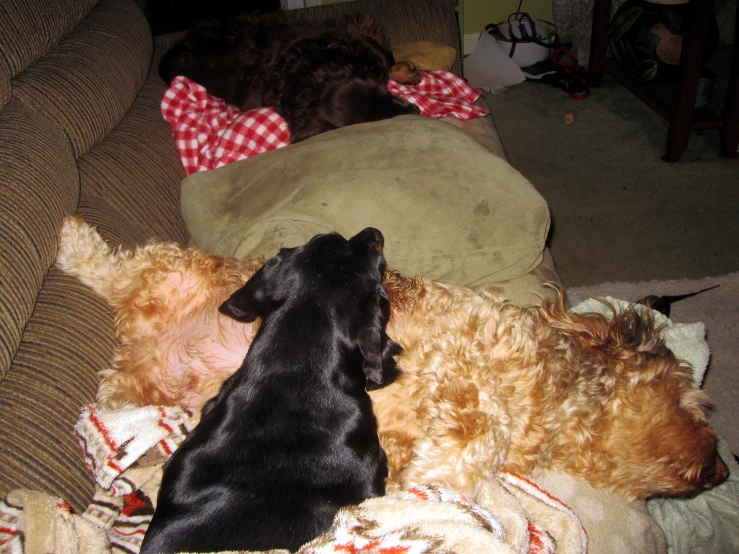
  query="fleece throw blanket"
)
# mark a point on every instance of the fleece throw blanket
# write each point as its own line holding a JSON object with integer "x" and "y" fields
{"x": 126, "y": 449}
{"x": 209, "y": 133}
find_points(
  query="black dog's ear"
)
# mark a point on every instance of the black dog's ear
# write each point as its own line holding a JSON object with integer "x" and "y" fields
{"x": 252, "y": 300}
{"x": 377, "y": 348}
{"x": 390, "y": 370}
{"x": 263, "y": 293}
{"x": 390, "y": 349}
{"x": 242, "y": 305}
{"x": 370, "y": 344}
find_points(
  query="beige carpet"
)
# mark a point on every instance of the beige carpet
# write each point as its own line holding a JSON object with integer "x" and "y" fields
{"x": 619, "y": 213}
{"x": 718, "y": 309}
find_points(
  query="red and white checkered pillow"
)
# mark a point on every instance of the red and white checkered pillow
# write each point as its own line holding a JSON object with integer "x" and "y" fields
{"x": 209, "y": 133}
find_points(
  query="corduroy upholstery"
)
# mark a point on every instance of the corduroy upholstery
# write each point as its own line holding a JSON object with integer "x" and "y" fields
{"x": 81, "y": 131}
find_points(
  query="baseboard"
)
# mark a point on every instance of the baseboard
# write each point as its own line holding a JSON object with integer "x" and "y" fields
{"x": 469, "y": 43}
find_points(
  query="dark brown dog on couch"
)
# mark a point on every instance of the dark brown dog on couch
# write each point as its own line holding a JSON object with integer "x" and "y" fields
{"x": 317, "y": 76}
{"x": 291, "y": 436}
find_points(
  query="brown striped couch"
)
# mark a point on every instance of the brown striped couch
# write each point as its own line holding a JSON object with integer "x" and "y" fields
{"x": 80, "y": 131}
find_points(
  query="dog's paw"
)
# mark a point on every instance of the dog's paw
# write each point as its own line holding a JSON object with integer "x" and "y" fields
{"x": 83, "y": 253}
{"x": 406, "y": 73}
{"x": 73, "y": 227}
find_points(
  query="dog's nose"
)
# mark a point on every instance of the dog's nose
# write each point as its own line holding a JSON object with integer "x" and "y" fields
{"x": 370, "y": 236}
{"x": 722, "y": 472}
{"x": 716, "y": 474}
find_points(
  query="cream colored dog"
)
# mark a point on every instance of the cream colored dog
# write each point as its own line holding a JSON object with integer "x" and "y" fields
{"x": 486, "y": 384}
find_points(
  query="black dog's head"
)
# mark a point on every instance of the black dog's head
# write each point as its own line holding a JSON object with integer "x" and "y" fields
{"x": 362, "y": 100}
{"x": 343, "y": 277}
{"x": 331, "y": 80}
{"x": 344, "y": 102}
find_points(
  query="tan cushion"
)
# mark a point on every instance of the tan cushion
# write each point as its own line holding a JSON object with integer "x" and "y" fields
{"x": 449, "y": 209}
{"x": 529, "y": 289}
{"x": 430, "y": 56}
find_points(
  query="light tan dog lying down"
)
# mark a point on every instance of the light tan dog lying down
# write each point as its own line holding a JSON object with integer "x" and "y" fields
{"x": 486, "y": 385}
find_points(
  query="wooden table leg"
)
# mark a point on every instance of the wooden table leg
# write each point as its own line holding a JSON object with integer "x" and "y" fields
{"x": 730, "y": 127}
{"x": 599, "y": 39}
{"x": 691, "y": 60}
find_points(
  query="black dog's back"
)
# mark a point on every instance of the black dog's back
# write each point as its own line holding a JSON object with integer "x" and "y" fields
{"x": 242, "y": 59}
{"x": 233, "y": 58}
{"x": 291, "y": 436}
{"x": 285, "y": 487}
{"x": 318, "y": 76}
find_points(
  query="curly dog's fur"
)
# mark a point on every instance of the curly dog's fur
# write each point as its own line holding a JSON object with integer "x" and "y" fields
{"x": 317, "y": 76}
{"x": 494, "y": 385}
{"x": 485, "y": 385}
{"x": 175, "y": 347}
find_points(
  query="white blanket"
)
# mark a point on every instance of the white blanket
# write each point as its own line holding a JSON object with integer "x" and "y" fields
{"x": 126, "y": 449}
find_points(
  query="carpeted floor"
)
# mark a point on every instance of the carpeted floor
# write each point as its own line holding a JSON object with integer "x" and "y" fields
{"x": 619, "y": 213}
{"x": 718, "y": 309}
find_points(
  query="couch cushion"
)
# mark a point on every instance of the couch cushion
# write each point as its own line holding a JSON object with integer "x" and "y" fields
{"x": 39, "y": 184}
{"x": 449, "y": 209}
{"x": 131, "y": 203}
{"x": 88, "y": 81}
{"x": 28, "y": 30}
{"x": 66, "y": 342}
{"x": 72, "y": 85}
{"x": 4, "y": 86}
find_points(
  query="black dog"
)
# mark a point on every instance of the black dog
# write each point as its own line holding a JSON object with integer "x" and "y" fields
{"x": 318, "y": 76}
{"x": 291, "y": 436}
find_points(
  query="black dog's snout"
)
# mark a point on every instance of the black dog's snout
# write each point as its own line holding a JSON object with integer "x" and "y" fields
{"x": 370, "y": 236}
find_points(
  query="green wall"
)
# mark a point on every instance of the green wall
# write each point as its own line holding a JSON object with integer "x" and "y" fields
{"x": 478, "y": 13}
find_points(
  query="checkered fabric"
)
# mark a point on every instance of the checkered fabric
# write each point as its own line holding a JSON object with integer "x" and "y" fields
{"x": 441, "y": 94}
{"x": 209, "y": 133}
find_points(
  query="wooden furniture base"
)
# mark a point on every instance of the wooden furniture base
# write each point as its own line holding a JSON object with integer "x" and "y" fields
{"x": 677, "y": 107}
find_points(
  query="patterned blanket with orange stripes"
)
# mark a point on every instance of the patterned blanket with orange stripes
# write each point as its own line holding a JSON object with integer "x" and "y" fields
{"x": 126, "y": 449}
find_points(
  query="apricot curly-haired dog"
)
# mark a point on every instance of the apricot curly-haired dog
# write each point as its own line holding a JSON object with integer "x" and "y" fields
{"x": 175, "y": 347}
{"x": 485, "y": 384}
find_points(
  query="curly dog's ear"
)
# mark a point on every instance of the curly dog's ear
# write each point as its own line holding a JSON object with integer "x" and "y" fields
{"x": 377, "y": 348}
